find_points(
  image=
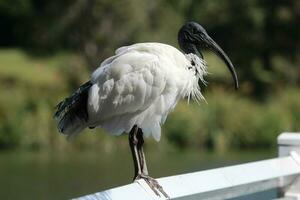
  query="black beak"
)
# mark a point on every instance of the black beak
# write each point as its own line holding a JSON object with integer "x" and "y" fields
{"x": 212, "y": 45}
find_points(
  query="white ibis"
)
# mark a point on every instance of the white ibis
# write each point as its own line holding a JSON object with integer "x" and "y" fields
{"x": 134, "y": 90}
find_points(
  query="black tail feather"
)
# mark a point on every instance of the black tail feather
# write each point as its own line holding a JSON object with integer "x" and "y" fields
{"x": 71, "y": 113}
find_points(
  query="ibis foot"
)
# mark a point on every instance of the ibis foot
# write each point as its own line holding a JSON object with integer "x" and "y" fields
{"x": 153, "y": 184}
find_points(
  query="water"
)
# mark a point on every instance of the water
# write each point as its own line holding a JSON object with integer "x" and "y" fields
{"x": 54, "y": 175}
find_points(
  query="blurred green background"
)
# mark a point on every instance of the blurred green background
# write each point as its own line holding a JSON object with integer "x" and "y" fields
{"x": 49, "y": 48}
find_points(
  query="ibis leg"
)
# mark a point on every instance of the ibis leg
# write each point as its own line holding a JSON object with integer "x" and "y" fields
{"x": 136, "y": 142}
{"x": 141, "y": 153}
{"x": 133, "y": 143}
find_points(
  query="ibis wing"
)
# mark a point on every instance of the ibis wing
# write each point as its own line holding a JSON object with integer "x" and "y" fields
{"x": 124, "y": 89}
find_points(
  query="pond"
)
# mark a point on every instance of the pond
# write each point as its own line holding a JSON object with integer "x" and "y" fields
{"x": 53, "y": 175}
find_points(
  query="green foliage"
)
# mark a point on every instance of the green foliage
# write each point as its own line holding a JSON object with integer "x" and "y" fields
{"x": 182, "y": 127}
{"x": 29, "y": 94}
{"x": 27, "y": 98}
{"x": 229, "y": 121}
{"x": 254, "y": 33}
{"x": 260, "y": 37}
{"x": 30, "y": 89}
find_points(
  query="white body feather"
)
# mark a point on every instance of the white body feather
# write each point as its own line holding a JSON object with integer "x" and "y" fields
{"x": 140, "y": 85}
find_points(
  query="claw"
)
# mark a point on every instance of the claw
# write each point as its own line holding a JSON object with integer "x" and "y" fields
{"x": 153, "y": 184}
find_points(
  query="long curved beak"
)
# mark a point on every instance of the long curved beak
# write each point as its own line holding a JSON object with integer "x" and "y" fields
{"x": 212, "y": 45}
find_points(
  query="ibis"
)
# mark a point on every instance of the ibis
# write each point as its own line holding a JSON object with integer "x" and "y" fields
{"x": 134, "y": 90}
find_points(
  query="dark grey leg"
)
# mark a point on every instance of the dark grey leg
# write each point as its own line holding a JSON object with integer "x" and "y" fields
{"x": 133, "y": 141}
{"x": 136, "y": 142}
{"x": 141, "y": 152}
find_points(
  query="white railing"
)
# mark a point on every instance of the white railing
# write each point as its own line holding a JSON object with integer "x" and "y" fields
{"x": 282, "y": 173}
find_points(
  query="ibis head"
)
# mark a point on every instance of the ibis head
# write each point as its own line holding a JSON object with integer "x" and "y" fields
{"x": 192, "y": 37}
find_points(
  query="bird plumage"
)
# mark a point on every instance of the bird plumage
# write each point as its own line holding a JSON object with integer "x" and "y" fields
{"x": 135, "y": 90}
{"x": 140, "y": 85}
{"x": 72, "y": 113}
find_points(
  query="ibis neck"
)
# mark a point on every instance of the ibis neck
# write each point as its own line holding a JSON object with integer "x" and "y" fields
{"x": 191, "y": 48}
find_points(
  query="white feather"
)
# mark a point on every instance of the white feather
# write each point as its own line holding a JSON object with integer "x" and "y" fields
{"x": 140, "y": 85}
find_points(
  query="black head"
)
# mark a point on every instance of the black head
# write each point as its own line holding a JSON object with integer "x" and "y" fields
{"x": 192, "y": 37}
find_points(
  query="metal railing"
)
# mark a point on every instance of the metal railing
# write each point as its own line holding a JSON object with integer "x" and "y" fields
{"x": 282, "y": 173}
